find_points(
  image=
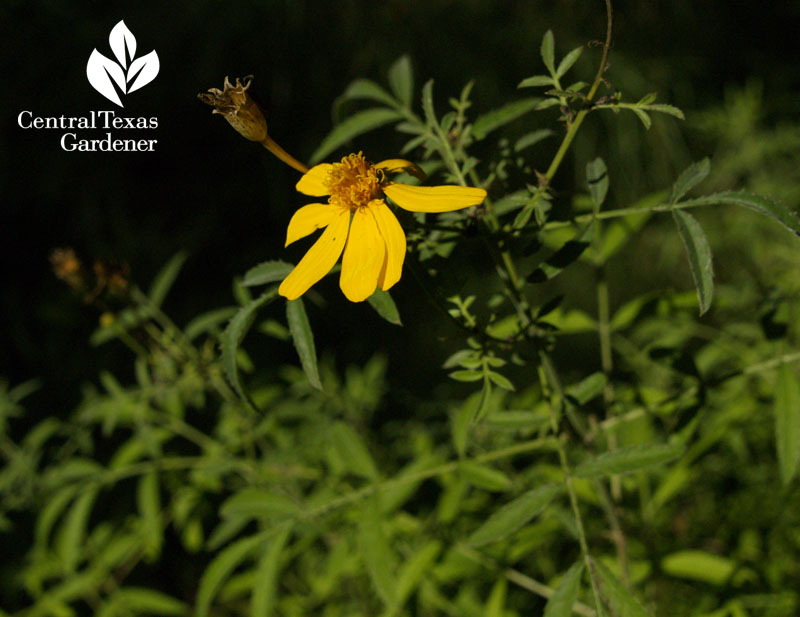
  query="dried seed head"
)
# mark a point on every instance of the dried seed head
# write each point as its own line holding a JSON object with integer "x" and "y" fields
{"x": 238, "y": 107}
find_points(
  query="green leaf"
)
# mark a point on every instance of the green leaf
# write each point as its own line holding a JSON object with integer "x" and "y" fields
{"x": 401, "y": 80}
{"x": 530, "y": 139}
{"x": 642, "y": 115}
{"x": 585, "y": 390}
{"x": 208, "y": 320}
{"x": 597, "y": 179}
{"x": 495, "y": 604}
{"x": 548, "y": 51}
{"x": 621, "y": 601}
{"x": 699, "y": 566}
{"x": 699, "y": 253}
{"x": 485, "y": 477}
{"x": 220, "y": 569}
{"x": 501, "y": 381}
{"x": 258, "y": 502}
{"x": 266, "y": 578}
{"x": 787, "y": 423}
{"x": 165, "y": 278}
{"x": 483, "y": 402}
{"x": 48, "y": 515}
{"x": 149, "y": 504}
{"x": 496, "y": 118}
{"x": 689, "y": 178}
{"x": 670, "y": 110}
{"x": 303, "y": 340}
{"x": 414, "y": 569}
{"x": 775, "y": 210}
{"x": 427, "y": 103}
{"x": 376, "y": 552}
{"x": 267, "y": 272}
{"x": 460, "y": 423}
{"x": 535, "y": 81}
{"x": 353, "y": 126}
{"x": 566, "y": 594}
{"x": 466, "y": 375}
{"x": 72, "y": 533}
{"x": 568, "y": 60}
{"x": 150, "y": 602}
{"x": 234, "y": 334}
{"x": 384, "y": 305}
{"x": 514, "y": 515}
{"x": 628, "y": 460}
{"x": 366, "y": 89}
{"x": 353, "y": 451}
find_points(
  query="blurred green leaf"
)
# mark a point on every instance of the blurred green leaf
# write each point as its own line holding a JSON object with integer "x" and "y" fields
{"x": 689, "y": 178}
{"x": 699, "y": 566}
{"x": 535, "y": 81}
{"x": 427, "y": 103}
{"x": 775, "y": 210}
{"x": 597, "y": 179}
{"x": 165, "y": 278}
{"x": 566, "y": 594}
{"x": 72, "y": 532}
{"x": 384, "y": 305}
{"x": 377, "y": 554}
{"x": 567, "y": 62}
{"x": 149, "y": 602}
{"x": 303, "y": 339}
{"x": 496, "y": 118}
{"x": 787, "y": 422}
{"x": 548, "y": 51}
{"x": 628, "y": 460}
{"x": 353, "y": 451}
{"x": 267, "y": 272}
{"x": 366, "y": 89}
{"x": 586, "y": 389}
{"x": 210, "y": 319}
{"x": 514, "y": 515}
{"x": 149, "y": 503}
{"x": 485, "y": 477}
{"x": 621, "y": 601}
{"x": 528, "y": 140}
{"x": 401, "y": 80}
{"x": 699, "y": 253}
{"x": 413, "y": 570}
{"x": 221, "y": 568}
{"x": 266, "y": 578}
{"x": 357, "y": 124}
{"x": 257, "y": 502}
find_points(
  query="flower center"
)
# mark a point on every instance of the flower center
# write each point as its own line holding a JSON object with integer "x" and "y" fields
{"x": 354, "y": 182}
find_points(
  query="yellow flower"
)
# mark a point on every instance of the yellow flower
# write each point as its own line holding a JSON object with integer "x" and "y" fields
{"x": 358, "y": 222}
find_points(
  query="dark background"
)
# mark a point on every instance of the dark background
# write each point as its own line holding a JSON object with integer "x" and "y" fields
{"x": 227, "y": 201}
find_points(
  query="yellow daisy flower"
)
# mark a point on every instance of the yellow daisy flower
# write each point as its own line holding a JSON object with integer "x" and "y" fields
{"x": 358, "y": 222}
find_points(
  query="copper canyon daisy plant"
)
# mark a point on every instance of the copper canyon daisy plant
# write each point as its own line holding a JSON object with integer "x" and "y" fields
{"x": 358, "y": 222}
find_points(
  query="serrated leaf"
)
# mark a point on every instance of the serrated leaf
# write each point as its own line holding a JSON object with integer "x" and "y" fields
{"x": 699, "y": 566}
{"x": 787, "y": 423}
{"x": 689, "y": 178}
{"x": 514, "y": 515}
{"x": 775, "y": 210}
{"x": 548, "y": 51}
{"x": 666, "y": 109}
{"x": 165, "y": 278}
{"x": 376, "y": 552}
{"x": 221, "y": 568}
{"x": 535, "y": 81}
{"x": 628, "y": 460}
{"x": 258, "y": 502}
{"x": 366, "y": 89}
{"x": 234, "y": 334}
{"x": 642, "y": 115}
{"x": 353, "y": 451}
{"x": 566, "y": 594}
{"x": 427, "y": 103}
{"x": 699, "y": 253}
{"x": 588, "y": 388}
{"x": 355, "y": 125}
{"x": 267, "y": 272}
{"x": 401, "y": 80}
{"x": 485, "y": 477}
{"x": 303, "y": 339}
{"x": 150, "y": 602}
{"x": 597, "y": 179}
{"x": 567, "y": 62}
{"x": 266, "y": 579}
{"x": 496, "y": 118}
{"x": 384, "y": 305}
{"x": 621, "y": 601}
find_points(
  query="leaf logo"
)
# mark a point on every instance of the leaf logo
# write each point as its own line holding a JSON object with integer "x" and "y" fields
{"x": 110, "y": 78}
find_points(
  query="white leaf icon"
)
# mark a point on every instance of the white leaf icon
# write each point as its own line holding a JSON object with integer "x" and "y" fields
{"x": 119, "y": 39}
{"x": 100, "y": 71}
{"x": 143, "y": 70}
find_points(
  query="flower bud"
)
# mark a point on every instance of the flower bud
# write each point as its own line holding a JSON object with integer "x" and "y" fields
{"x": 238, "y": 107}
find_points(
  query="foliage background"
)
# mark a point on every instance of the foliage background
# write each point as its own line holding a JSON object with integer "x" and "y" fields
{"x": 227, "y": 201}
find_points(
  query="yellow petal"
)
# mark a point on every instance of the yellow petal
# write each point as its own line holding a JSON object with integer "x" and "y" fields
{"x": 308, "y": 219}
{"x": 395, "y": 166}
{"x": 433, "y": 198}
{"x": 395, "y": 241}
{"x": 313, "y": 181}
{"x": 363, "y": 257}
{"x": 319, "y": 259}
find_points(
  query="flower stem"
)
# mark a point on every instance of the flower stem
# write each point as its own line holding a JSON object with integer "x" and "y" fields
{"x": 271, "y": 145}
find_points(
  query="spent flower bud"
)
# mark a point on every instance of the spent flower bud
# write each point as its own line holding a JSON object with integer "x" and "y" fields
{"x": 236, "y": 105}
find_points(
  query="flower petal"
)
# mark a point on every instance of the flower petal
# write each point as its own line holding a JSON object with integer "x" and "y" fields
{"x": 313, "y": 181}
{"x": 308, "y": 219}
{"x": 319, "y": 259}
{"x": 363, "y": 257}
{"x": 395, "y": 241}
{"x": 395, "y": 166}
{"x": 433, "y": 198}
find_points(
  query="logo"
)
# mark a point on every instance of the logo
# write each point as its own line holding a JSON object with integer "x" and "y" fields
{"x": 110, "y": 78}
